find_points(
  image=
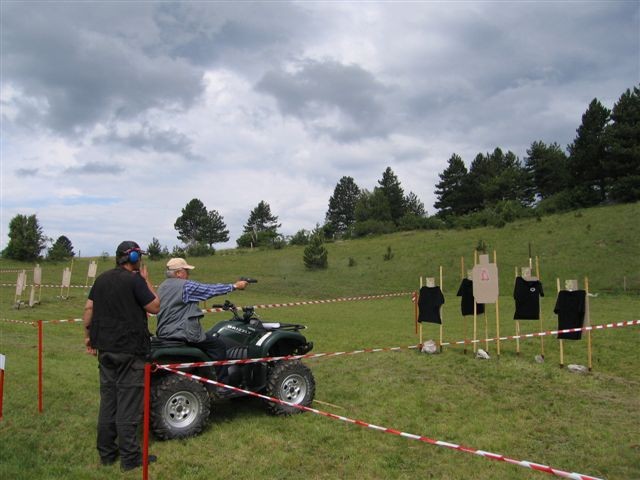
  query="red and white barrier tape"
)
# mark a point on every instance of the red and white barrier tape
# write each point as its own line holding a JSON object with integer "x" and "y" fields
{"x": 285, "y": 358}
{"x": 46, "y": 285}
{"x": 421, "y": 438}
{"x": 22, "y": 322}
{"x": 264, "y": 305}
{"x": 316, "y": 302}
{"x": 390, "y": 349}
{"x": 548, "y": 332}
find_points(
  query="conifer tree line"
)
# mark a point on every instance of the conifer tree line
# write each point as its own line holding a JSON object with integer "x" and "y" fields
{"x": 601, "y": 165}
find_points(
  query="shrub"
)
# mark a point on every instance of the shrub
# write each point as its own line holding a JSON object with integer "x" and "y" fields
{"x": 415, "y": 222}
{"x": 373, "y": 227}
{"x": 300, "y": 238}
{"x": 200, "y": 250}
{"x": 315, "y": 254}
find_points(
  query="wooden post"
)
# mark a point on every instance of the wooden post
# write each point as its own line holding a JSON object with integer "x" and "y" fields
{"x": 40, "y": 347}
{"x": 2, "y": 362}
{"x": 464, "y": 317}
{"x": 475, "y": 312}
{"x": 517, "y": 327}
{"x": 540, "y": 310}
{"x": 495, "y": 260}
{"x": 560, "y": 340}
{"x": 420, "y": 326}
{"x": 441, "y": 319}
{"x": 415, "y": 310}
{"x": 586, "y": 309}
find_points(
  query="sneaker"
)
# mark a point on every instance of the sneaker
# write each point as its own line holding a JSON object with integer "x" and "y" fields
{"x": 150, "y": 459}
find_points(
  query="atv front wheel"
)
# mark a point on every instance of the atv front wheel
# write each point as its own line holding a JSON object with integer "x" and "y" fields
{"x": 179, "y": 407}
{"x": 290, "y": 382}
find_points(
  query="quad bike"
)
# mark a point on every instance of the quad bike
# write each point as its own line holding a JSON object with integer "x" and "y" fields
{"x": 180, "y": 406}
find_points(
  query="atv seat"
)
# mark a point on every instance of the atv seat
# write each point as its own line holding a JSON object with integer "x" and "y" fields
{"x": 157, "y": 342}
{"x": 176, "y": 349}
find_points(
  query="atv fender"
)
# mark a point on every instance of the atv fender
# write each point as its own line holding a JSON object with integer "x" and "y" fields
{"x": 282, "y": 342}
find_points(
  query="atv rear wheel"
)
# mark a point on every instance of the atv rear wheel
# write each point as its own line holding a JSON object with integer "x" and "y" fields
{"x": 179, "y": 407}
{"x": 290, "y": 382}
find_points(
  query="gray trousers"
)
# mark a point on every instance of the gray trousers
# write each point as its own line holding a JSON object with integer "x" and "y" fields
{"x": 121, "y": 395}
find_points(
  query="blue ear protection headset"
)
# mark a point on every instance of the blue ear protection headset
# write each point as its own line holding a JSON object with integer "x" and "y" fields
{"x": 131, "y": 255}
{"x": 134, "y": 255}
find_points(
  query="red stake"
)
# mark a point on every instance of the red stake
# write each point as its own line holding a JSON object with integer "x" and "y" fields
{"x": 145, "y": 426}
{"x": 40, "y": 366}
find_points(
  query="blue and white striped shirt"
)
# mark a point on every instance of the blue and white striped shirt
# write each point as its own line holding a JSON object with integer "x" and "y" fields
{"x": 195, "y": 291}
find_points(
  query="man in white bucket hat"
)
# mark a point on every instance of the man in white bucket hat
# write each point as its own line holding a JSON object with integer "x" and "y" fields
{"x": 179, "y": 315}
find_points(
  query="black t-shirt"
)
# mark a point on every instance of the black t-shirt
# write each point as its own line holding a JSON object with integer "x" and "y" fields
{"x": 527, "y": 295}
{"x": 429, "y": 302}
{"x": 119, "y": 321}
{"x": 466, "y": 302}
{"x": 570, "y": 308}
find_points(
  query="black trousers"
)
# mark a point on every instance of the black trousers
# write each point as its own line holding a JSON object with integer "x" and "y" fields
{"x": 121, "y": 395}
{"x": 216, "y": 349}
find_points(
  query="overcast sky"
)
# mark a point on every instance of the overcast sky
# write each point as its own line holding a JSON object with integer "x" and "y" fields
{"x": 116, "y": 114}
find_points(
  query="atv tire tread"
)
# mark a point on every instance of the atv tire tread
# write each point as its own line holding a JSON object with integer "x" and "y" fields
{"x": 278, "y": 373}
{"x": 162, "y": 392}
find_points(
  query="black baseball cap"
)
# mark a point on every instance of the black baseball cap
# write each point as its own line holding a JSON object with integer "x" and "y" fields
{"x": 127, "y": 246}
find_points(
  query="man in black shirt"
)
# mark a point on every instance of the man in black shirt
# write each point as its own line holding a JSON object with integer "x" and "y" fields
{"x": 115, "y": 320}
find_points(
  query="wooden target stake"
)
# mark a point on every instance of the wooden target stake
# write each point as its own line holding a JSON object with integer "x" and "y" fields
{"x": 475, "y": 310}
{"x": 586, "y": 300}
{"x": 560, "y": 340}
{"x": 420, "y": 325}
{"x": 464, "y": 317}
{"x": 441, "y": 319}
{"x": 540, "y": 309}
{"x": 415, "y": 310}
{"x": 517, "y": 327}
{"x": 495, "y": 260}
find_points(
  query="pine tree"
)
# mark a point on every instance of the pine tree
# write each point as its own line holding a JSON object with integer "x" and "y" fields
{"x": 392, "y": 190}
{"x": 586, "y": 156}
{"x": 261, "y": 227}
{"x": 414, "y": 205}
{"x": 215, "y": 230}
{"x": 261, "y": 219}
{"x": 154, "y": 249}
{"x": 547, "y": 169}
{"x": 315, "y": 254}
{"x": 191, "y": 223}
{"x": 622, "y": 137}
{"x": 62, "y": 249}
{"x": 342, "y": 206}
{"x": 451, "y": 190}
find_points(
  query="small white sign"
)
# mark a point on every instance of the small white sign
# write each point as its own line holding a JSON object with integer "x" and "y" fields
{"x": 93, "y": 269}
{"x": 1, "y": 362}
{"x": 66, "y": 278}
{"x": 21, "y": 282}
{"x": 37, "y": 275}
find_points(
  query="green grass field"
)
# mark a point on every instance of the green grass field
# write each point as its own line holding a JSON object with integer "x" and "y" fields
{"x": 511, "y": 405}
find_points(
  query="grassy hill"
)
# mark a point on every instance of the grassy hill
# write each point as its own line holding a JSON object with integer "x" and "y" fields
{"x": 511, "y": 405}
{"x": 601, "y": 243}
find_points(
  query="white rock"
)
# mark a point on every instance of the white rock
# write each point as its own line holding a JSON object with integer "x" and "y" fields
{"x": 577, "y": 368}
{"x": 482, "y": 355}
{"x": 429, "y": 347}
